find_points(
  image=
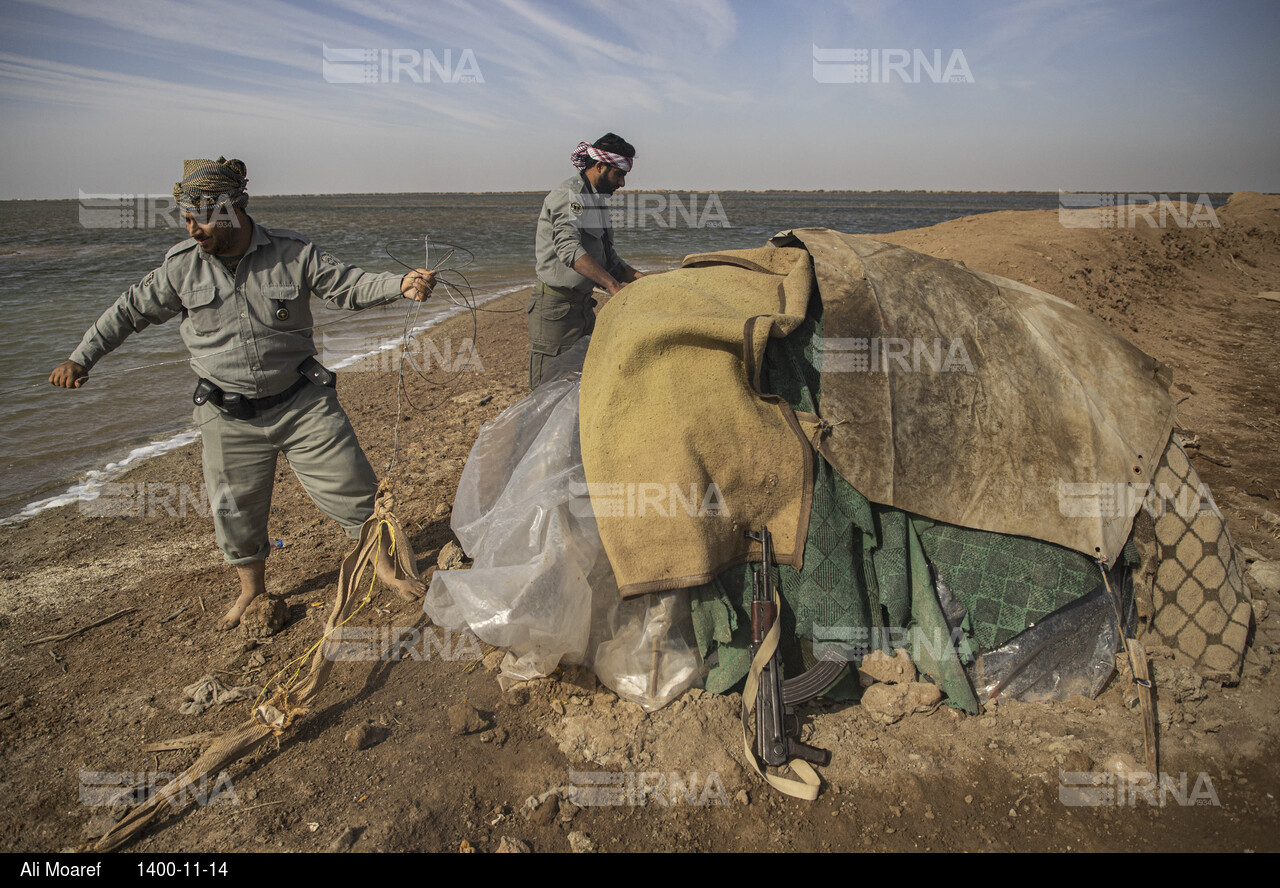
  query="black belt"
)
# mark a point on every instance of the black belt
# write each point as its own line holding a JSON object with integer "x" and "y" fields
{"x": 244, "y": 407}
{"x": 260, "y": 404}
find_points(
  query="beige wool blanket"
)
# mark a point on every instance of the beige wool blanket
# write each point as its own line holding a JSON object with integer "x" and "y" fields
{"x": 682, "y": 453}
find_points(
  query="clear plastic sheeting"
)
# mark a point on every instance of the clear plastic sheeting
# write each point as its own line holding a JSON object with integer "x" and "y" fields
{"x": 533, "y": 549}
{"x": 541, "y": 585}
{"x": 1070, "y": 652}
{"x": 651, "y": 657}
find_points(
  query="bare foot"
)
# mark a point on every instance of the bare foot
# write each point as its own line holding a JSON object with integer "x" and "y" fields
{"x": 408, "y": 588}
{"x": 253, "y": 582}
{"x": 232, "y": 618}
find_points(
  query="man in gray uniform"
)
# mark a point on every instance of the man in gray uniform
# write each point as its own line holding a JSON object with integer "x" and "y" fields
{"x": 575, "y": 251}
{"x": 244, "y": 295}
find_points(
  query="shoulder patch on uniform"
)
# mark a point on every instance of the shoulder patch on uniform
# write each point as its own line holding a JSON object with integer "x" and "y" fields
{"x": 149, "y": 279}
{"x": 576, "y": 208}
{"x": 330, "y": 259}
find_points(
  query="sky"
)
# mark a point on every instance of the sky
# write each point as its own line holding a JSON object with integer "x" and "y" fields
{"x": 1137, "y": 96}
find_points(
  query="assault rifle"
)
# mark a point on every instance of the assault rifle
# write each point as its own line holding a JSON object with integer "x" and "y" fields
{"x": 775, "y": 697}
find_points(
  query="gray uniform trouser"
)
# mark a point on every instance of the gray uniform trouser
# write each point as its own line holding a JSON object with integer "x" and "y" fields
{"x": 557, "y": 319}
{"x": 315, "y": 435}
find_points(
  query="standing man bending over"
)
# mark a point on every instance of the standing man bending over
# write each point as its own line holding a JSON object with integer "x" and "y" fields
{"x": 243, "y": 292}
{"x": 575, "y": 251}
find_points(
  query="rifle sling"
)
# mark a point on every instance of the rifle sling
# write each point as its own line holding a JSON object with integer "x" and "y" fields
{"x": 807, "y": 786}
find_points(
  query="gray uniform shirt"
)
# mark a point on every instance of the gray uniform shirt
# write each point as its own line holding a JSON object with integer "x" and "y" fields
{"x": 229, "y": 324}
{"x": 574, "y": 220}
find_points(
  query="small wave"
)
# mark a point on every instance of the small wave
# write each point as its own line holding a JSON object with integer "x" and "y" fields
{"x": 90, "y": 487}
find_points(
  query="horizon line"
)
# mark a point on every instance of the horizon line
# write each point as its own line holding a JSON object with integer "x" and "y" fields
{"x": 699, "y": 191}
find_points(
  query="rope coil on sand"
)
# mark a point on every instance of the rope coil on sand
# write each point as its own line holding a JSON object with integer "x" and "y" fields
{"x": 289, "y": 704}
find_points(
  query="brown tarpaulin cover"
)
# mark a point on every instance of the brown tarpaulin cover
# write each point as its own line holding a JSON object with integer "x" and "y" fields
{"x": 993, "y": 405}
{"x": 953, "y": 394}
{"x": 681, "y": 452}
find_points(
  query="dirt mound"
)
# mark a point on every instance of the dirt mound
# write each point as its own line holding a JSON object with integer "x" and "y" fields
{"x": 1128, "y": 275}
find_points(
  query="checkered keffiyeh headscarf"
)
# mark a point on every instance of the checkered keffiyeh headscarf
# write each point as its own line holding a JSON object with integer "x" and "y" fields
{"x": 584, "y": 151}
{"x": 210, "y": 183}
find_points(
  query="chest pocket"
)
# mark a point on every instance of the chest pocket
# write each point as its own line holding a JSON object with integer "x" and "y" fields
{"x": 285, "y": 307}
{"x": 200, "y": 307}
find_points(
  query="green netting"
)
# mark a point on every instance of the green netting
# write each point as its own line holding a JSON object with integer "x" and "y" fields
{"x": 1005, "y": 583}
{"x": 828, "y": 600}
{"x": 865, "y": 586}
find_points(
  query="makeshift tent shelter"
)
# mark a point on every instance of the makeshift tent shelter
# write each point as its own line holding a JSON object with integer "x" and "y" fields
{"x": 940, "y": 454}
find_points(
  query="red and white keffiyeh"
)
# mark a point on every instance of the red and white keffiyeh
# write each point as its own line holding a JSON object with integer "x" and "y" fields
{"x": 580, "y": 156}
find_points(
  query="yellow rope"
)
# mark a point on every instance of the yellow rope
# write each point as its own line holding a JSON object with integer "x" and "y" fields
{"x": 477, "y": 662}
{"x": 302, "y": 658}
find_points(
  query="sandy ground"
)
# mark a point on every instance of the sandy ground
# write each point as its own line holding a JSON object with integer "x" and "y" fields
{"x": 425, "y": 779}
